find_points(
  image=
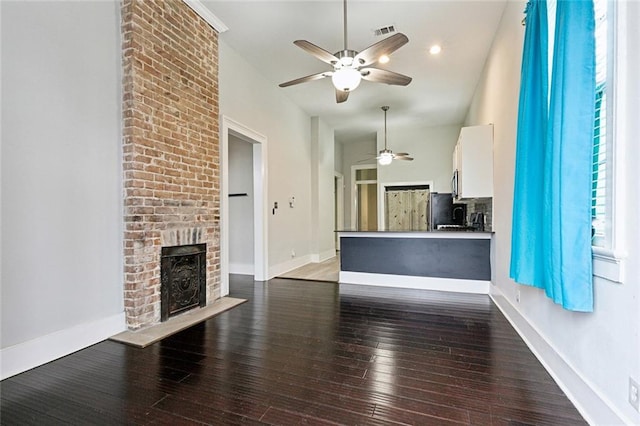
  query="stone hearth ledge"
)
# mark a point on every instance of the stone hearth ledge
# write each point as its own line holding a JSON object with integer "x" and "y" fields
{"x": 152, "y": 334}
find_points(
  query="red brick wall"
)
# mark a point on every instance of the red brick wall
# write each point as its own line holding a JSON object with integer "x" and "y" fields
{"x": 170, "y": 146}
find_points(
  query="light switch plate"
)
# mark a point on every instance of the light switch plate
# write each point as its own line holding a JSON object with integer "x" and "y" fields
{"x": 634, "y": 397}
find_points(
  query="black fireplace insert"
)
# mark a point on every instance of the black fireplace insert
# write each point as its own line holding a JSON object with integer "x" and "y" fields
{"x": 183, "y": 278}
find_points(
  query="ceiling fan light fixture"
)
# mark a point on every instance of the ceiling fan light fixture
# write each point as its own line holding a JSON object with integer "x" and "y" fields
{"x": 346, "y": 79}
{"x": 385, "y": 158}
{"x": 383, "y": 59}
{"x": 350, "y": 66}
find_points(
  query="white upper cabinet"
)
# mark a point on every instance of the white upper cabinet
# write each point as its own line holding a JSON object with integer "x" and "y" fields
{"x": 473, "y": 162}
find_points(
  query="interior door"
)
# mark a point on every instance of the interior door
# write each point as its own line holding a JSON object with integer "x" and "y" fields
{"x": 367, "y": 206}
{"x": 406, "y": 209}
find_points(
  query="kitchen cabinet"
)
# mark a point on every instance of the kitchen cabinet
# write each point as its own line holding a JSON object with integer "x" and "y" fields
{"x": 473, "y": 163}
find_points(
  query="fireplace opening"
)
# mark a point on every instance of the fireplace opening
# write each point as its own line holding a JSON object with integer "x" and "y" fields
{"x": 183, "y": 278}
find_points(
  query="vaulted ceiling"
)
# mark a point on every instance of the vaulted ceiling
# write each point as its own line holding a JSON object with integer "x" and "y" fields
{"x": 262, "y": 32}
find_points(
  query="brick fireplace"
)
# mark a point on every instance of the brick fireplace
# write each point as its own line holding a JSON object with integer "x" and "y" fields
{"x": 171, "y": 157}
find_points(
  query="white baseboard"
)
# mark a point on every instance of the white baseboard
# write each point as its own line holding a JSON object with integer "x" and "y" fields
{"x": 289, "y": 265}
{"x": 593, "y": 406}
{"x": 420, "y": 283}
{"x": 241, "y": 268}
{"x": 325, "y": 255}
{"x": 27, "y": 355}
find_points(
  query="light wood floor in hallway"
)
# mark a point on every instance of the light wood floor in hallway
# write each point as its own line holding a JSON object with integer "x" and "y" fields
{"x": 324, "y": 271}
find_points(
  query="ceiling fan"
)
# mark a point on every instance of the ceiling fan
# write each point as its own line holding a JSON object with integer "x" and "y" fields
{"x": 349, "y": 66}
{"x": 386, "y": 156}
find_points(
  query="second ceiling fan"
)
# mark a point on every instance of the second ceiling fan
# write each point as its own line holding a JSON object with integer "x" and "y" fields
{"x": 386, "y": 156}
{"x": 349, "y": 66}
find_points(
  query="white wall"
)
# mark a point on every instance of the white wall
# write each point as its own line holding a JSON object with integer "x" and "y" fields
{"x": 591, "y": 355}
{"x": 241, "y": 207}
{"x": 357, "y": 152}
{"x": 61, "y": 179}
{"x": 338, "y": 155}
{"x": 322, "y": 199}
{"x": 247, "y": 98}
{"x": 431, "y": 149}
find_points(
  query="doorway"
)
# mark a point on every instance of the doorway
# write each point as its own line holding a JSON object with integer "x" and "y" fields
{"x": 406, "y": 208}
{"x": 385, "y": 189}
{"x": 240, "y": 202}
{"x": 364, "y": 213}
{"x": 232, "y": 129}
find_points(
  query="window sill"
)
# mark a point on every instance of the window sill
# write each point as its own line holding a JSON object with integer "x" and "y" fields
{"x": 608, "y": 264}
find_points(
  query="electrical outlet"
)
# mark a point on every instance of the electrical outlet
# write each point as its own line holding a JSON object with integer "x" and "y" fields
{"x": 634, "y": 398}
{"x": 518, "y": 296}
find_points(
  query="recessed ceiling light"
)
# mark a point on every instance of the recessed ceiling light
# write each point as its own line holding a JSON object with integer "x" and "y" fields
{"x": 435, "y": 49}
{"x": 383, "y": 59}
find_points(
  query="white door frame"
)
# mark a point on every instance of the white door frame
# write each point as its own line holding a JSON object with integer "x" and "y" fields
{"x": 353, "y": 191}
{"x": 260, "y": 246}
{"x": 338, "y": 179}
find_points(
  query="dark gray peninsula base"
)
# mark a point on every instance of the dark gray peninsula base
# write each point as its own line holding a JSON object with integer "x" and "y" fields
{"x": 448, "y": 261}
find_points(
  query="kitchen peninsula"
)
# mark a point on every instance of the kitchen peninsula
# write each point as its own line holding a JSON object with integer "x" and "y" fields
{"x": 437, "y": 260}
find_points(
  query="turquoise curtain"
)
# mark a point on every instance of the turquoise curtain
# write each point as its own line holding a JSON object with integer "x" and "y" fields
{"x": 527, "y": 255}
{"x": 553, "y": 251}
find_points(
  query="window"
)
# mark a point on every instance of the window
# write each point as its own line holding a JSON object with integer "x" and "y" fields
{"x": 607, "y": 196}
{"x": 606, "y": 238}
{"x": 599, "y": 174}
{"x": 600, "y": 207}
{"x": 599, "y": 213}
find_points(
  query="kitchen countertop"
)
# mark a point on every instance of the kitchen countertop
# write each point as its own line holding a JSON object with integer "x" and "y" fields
{"x": 418, "y": 234}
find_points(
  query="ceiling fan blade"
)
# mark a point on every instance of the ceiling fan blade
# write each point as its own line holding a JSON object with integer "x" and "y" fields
{"x": 384, "y": 47}
{"x": 316, "y": 51}
{"x": 341, "y": 96}
{"x": 402, "y": 154}
{"x": 366, "y": 160}
{"x": 383, "y": 76}
{"x": 307, "y": 78}
{"x": 403, "y": 158}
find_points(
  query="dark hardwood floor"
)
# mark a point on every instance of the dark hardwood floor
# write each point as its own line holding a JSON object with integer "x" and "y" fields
{"x": 306, "y": 353}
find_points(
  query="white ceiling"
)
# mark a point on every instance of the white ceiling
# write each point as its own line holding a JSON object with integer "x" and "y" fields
{"x": 263, "y": 32}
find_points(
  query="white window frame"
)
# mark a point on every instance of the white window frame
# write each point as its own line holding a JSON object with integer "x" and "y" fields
{"x": 608, "y": 261}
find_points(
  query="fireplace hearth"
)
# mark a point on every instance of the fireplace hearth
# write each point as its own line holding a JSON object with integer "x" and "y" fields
{"x": 183, "y": 279}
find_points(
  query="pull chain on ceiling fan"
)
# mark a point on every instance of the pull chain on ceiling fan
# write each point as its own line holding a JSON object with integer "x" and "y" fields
{"x": 350, "y": 67}
{"x": 386, "y": 156}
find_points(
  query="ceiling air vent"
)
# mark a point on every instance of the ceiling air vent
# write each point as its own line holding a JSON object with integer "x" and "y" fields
{"x": 385, "y": 30}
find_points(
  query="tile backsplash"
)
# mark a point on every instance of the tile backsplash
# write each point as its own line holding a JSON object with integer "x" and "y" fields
{"x": 482, "y": 205}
